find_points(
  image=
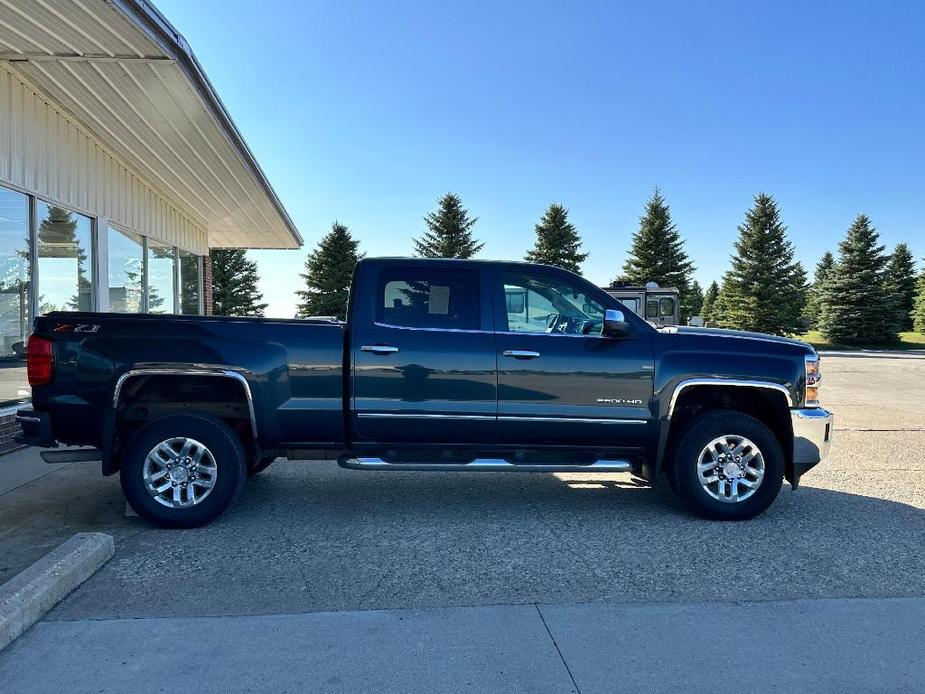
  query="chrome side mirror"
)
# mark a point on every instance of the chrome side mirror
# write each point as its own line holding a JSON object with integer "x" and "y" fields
{"x": 615, "y": 324}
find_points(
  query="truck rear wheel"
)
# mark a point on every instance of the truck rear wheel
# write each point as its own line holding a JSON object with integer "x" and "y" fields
{"x": 182, "y": 471}
{"x": 727, "y": 466}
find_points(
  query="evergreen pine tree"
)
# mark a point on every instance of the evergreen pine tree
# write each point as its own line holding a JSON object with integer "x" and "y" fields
{"x": 899, "y": 284}
{"x": 449, "y": 231}
{"x": 765, "y": 289}
{"x": 710, "y": 297}
{"x": 814, "y": 300}
{"x": 694, "y": 304}
{"x": 234, "y": 284}
{"x": 918, "y": 309}
{"x": 328, "y": 270}
{"x": 657, "y": 253}
{"x": 557, "y": 241}
{"x": 855, "y": 305}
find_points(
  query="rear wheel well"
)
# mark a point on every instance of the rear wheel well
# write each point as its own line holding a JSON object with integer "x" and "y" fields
{"x": 146, "y": 397}
{"x": 764, "y": 404}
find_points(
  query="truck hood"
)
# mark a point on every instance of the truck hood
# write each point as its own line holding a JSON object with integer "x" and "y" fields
{"x": 736, "y": 334}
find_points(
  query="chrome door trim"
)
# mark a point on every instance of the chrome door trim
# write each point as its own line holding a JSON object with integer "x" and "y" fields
{"x": 423, "y": 415}
{"x": 577, "y": 420}
{"x": 504, "y": 418}
{"x": 730, "y": 382}
{"x": 221, "y": 373}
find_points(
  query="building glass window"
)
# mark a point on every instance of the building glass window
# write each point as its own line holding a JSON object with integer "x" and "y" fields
{"x": 65, "y": 250}
{"x": 162, "y": 269}
{"x": 126, "y": 271}
{"x": 190, "y": 284}
{"x": 15, "y": 285}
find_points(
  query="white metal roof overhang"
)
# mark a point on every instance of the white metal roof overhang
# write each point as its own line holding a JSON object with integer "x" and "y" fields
{"x": 128, "y": 76}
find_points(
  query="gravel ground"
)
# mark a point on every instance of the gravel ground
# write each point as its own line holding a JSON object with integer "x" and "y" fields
{"x": 310, "y": 537}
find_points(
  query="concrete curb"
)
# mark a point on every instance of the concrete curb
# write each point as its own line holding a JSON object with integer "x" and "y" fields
{"x": 26, "y": 597}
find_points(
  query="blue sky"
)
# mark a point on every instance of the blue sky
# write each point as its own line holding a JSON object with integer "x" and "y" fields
{"x": 368, "y": 112}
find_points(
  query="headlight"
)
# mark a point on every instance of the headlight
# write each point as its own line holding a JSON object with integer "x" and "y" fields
{"x": 813, "y": 376}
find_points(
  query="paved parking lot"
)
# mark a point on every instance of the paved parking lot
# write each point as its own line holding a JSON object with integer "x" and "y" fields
{"x": 310, "y": 537}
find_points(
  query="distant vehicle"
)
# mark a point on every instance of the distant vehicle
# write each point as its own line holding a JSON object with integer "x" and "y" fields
{"x": 441, "y": 365}
{"x": 658, "y": 305}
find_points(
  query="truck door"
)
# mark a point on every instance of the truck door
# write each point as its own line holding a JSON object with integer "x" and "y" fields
{"x": 559, "y": 381}
{"x": 423, "y": 355}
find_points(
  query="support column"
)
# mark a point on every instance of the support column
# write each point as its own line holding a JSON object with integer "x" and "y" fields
{"x": 101, "y": 266}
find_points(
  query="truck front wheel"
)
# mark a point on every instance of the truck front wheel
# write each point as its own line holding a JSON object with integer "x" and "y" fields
{"x": 727, "y": 466}
{"x": 182, "y": 471}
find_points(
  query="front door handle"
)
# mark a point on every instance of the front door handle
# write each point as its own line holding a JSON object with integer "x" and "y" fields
{"x": 379, "y": 349}
{"x": 520, "y": 353}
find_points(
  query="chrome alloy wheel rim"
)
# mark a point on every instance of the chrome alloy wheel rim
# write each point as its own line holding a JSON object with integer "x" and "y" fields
{"x": 180, "y": 472}
{"x": 730, "y": 468}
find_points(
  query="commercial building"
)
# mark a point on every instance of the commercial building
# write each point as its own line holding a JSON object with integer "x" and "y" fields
{"x": 119, "y": 169}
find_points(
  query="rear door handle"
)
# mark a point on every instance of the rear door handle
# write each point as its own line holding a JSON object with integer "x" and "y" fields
{"x": 520, "y": 353}
{"x": 379, "y": 349}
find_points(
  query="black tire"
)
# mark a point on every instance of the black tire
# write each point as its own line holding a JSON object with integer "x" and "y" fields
{"x": 221, "y": 442}
{"x": 257, "y": 466}
{"x": 694, "y": 439}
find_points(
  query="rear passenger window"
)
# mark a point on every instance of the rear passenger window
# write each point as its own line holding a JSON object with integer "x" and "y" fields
{"x": 429, "y": 298}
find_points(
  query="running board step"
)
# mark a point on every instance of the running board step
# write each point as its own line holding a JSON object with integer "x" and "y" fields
{"x": 482, "y": 465}
{"x": 74, "y": 455}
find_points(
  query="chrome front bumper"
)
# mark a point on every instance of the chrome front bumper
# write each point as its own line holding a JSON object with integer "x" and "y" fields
{"x": 812, "y": 436}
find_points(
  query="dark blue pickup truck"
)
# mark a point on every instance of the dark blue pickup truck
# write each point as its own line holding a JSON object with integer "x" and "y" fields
{"x": 441, "y": 365}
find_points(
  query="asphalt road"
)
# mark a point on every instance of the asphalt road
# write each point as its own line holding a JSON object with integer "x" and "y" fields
{"x": 313, "y": 537}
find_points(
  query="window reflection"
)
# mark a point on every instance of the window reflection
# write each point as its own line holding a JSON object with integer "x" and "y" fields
{"x": 126, "y": 271}
{"x": 161, "y": 269}
{"x": 189, "y": 283}
{"x": 15, "y": 284}
{"x": 64, "y": 257}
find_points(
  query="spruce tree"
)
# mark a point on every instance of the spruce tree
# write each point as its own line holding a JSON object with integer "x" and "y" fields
{"x": 328, "y": 270}
{"x": 657, "y": 253}
{"x": 899, "y": 284}
{"x": 449, "y": 231}
{"x": 814, "y": 300}
{"x": 855, "y": 306}
{"x": 918, "y": 309}
{"x": 765, "y": 289}
{"x": 710, "y": 297}
{"x": 234, "y": 284}
{"x": 557, "y": 241}
{"x": 694, "y": 303}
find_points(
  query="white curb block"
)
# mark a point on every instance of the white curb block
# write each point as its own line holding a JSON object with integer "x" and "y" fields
{"x": 26, "y": 597}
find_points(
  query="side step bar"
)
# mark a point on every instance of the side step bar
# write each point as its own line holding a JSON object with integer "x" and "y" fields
{"x": 482, "y": 465}
{"x": 73, "y": 455}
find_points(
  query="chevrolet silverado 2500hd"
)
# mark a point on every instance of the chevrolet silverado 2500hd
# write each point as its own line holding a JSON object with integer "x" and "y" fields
{"x": 441, "y": 365}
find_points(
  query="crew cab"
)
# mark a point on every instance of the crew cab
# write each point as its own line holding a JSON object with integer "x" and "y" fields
{"x": 441, "y": 365}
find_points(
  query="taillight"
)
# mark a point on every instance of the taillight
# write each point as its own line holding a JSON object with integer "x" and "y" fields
{"x": 39, "y": 361}
{"x": 812, "y": 381}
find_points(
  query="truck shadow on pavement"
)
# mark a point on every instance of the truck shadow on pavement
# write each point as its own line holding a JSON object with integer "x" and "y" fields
{"x": 310, "y": 537}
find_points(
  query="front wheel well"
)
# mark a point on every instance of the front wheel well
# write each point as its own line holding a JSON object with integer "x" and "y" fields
{"x": 146, "y": 397}
{"x": 767, "y": 405}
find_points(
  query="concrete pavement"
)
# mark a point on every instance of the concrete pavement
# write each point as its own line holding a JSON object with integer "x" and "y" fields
{"x": 815, "y": 646}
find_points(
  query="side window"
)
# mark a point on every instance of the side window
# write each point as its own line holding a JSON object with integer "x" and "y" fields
{"x": 547, "y": 304}
{"x": 652, "y": 309}
{"x": 666, "y": 307}
{"x": 429, "y": 298}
